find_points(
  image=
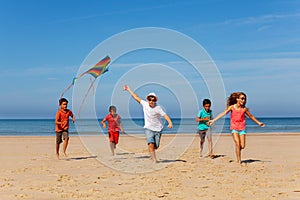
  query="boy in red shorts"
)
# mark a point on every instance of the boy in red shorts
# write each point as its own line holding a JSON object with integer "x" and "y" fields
{"x": 114, "y": 127}
{"x": 62, "y": 125}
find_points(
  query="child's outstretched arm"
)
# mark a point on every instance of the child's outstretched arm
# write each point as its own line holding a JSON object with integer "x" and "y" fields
{"x": 261, "y": 124}
{"x": 170, "y": 124}
{"x": 135, "y": 96}
{"x": 222, "y": 114}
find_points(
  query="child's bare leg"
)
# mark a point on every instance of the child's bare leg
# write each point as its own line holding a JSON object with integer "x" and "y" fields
{"x": 237, "y": 141}
{"x": 112, "y": 148}
{"x": 152, "y": 152}
{"x": 66, "y": 142}
{"x": 57, "y": 151}
{"x": 201, "y": 147}
{"x": 243, "y": 141}
{"x": 210, "y": 147}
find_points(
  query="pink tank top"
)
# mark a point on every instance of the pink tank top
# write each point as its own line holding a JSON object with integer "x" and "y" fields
{"x": 237, "y": 119}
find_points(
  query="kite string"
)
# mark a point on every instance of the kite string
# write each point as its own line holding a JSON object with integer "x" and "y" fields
{"x": 85, "y": 96}
{"x": 66, "y": 90}
{"x": 92, "y": 85}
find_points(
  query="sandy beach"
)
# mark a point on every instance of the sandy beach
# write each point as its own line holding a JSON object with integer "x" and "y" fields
{"x": 270, "y": 169}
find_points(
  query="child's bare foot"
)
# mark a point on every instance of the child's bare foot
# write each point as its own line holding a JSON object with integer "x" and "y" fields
{"x": 65, "y": 154}
{"x": 212, "y": 156}
{"x": 154, "y": 161}
{"x": 57, "y": 156}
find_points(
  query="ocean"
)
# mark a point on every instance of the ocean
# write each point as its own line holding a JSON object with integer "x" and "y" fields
{"x": 46, "y": 127}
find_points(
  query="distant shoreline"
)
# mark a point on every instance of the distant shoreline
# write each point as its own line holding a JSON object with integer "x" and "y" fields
{"x": 141, "y": 118}
{"x": 164, "y": 135}
{"x": 46, "y": 127}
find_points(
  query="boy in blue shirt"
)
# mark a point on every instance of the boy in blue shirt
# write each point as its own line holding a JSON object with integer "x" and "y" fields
{"x": 204, "y": 115}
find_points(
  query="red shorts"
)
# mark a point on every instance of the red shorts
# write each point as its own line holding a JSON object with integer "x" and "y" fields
{"x": 114, "y": 136}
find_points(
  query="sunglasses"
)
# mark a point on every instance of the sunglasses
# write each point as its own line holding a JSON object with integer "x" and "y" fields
{"x": 152, "y": 99}
{"x": 243, "y": 98}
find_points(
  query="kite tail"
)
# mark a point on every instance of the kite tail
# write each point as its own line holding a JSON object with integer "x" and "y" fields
{"x": 84, "y": 98}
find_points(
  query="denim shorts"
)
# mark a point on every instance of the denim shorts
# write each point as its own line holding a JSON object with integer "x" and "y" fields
{"x": 153, "y": 137}
{"x": 242, "y": 132}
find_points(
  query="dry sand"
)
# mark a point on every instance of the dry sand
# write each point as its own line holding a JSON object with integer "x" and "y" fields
{"x": 270, "y": 169}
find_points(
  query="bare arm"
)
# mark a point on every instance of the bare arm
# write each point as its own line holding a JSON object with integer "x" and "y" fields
{"x": 122, "y": 129}
{"x": 134, "y": 96}
{"x": 253, "y": 118}
{"x": 57, "y": 122}
{"x": 198, "y": 119}
{"x": 222, "y": 114}
{"x": 103, "y": 123}
{"x": 73, "y": 119}
{"x": 170, "y": 124}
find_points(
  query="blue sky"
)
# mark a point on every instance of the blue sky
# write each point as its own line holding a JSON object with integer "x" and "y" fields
{"x": 254, "y": 44}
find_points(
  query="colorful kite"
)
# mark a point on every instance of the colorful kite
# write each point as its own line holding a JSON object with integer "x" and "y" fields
{"x": 96, "y": 71}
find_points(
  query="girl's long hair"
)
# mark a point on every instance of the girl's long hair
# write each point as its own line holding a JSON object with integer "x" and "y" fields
{"x": 232, "y": 98}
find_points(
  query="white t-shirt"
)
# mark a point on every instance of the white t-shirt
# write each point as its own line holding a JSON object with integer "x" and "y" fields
{"x": 152, "y": 116}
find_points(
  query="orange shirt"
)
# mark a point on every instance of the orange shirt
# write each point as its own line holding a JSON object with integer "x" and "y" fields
{"x": 63, "y": 117}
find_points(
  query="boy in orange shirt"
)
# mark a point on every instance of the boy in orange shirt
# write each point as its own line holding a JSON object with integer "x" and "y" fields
{"x": 62, "y": 125}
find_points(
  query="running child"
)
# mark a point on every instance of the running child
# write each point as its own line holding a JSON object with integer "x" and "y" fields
{"x": 62, "y": 126}
{"x": 114, "y": 127}
{"x": 236, "y": 104}
{"x": 203, "y": 117}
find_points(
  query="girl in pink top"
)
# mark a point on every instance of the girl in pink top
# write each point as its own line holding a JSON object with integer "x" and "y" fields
{"x": 236, "y": 104}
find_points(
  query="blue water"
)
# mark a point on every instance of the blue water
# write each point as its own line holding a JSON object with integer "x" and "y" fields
{"x": 46, "y": 127}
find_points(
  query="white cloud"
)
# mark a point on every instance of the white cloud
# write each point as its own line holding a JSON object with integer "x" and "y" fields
{"x": 259, "y": 19}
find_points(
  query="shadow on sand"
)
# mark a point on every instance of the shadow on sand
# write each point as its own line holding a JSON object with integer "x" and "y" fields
{"x": 248, "y": 161}
{"x": 161, "y": 161}
{"x": 143, "y": 157}
{"x": 171, "y": 161}
{"x": 81, "y": 158}
{"x": 218, "y": 156}
{"x": 124, "y": 154}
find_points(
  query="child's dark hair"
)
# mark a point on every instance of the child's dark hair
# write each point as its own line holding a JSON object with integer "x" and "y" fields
{"x": 62, "y": 100}
{"x": 206, "y": 101}
{"x": 112, "y": 108}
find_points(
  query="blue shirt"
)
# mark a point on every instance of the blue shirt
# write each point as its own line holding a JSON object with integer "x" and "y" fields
{"x": 203, "y": 114}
